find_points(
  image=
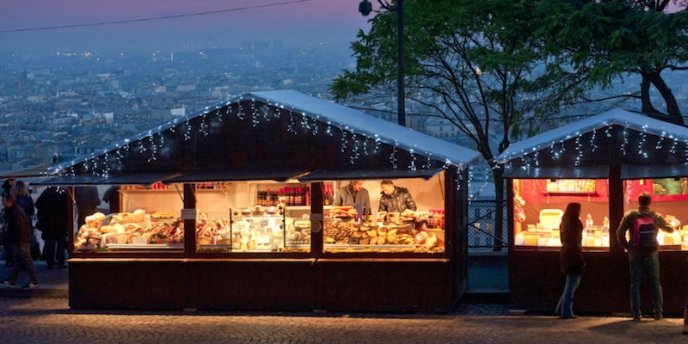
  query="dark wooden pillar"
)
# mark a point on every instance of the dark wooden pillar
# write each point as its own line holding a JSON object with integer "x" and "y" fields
{"x": 616, "y": 206}
{"x": 190, "y": 223}
{"x": 71, "y": 219}
{"x": 510, "y": 226}
{"x": 317, "y": 219}
{"x": 451, "y": 212}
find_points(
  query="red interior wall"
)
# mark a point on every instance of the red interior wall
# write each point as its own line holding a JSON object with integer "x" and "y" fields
{"x": 533, "y": 192}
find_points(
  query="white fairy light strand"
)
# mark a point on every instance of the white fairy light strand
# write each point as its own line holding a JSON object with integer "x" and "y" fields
{"x": 412, "y": 164}
{"x": 641, "y": 144}
{"x": 343, "y": 141}
{"x": 290, "y": 127}
{"x": 356, "y": 143}
{"x": 579, "y": 150}
{"x": 660, "y": 142}
{"x": 393, "y": 156}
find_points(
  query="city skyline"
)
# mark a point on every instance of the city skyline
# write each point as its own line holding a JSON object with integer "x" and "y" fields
{"x": 332, "y": 23}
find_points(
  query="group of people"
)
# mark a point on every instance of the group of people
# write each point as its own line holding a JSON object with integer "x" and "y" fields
{"x": 642, "y": 226}
{"x": 17, "y": 235}
{"x": 51, "y": 214}
{"x": 392, "y": 198}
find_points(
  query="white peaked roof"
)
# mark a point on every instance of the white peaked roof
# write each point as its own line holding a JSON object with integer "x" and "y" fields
{"x": 345, "y": 118}
{"x": 627, "y": 119}
{"x": 362, "y": 123}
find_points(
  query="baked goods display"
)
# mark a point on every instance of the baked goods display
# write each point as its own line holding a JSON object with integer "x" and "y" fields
{"x": 212, "y": 231}
{"x": 409, "y": 231}
{"x": 130, "y": 230}
{"x": 343, "y": 212}
{"x": 298, "y": 233}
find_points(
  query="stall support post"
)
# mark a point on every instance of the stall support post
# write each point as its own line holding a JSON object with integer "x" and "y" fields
{"x": 71, "y": 208}
{"x": 451, "y": 211}
{"x": 510, "y": 224}
{"x": 616, "y": 206}
{"x": 460, "y": 206}
{"x": 317, "y": 219}
{"x": 189, "y": 223}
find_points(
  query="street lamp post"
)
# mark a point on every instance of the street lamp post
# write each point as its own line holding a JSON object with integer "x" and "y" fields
{"x": 365, "y": 7}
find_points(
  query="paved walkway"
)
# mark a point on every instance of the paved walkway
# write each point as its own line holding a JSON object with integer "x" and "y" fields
{"x": 52, "y": 283}
{"x": 43, "y": 320}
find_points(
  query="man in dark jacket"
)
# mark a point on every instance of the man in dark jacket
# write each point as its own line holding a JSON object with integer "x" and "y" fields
{"x": 354, "y": 195}
{"x": 642, "y": 256}
{"x": 395, "y": 198}
{"x": 53, "y": 208}
{"x": 87, "y": 202}
{"x": 111, "y": 197}
{"x": 19, "y": 230}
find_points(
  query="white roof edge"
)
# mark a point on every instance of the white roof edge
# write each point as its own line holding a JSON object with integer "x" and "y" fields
{"x": 616, "y": 116}
{"x": 343, "y": 117}
{"x": 437, "y": 148}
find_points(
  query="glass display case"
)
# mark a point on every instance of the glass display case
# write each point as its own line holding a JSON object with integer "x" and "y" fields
{"x": 417, "y": 230}
{"x": 272, "y": 217}
{"x": 540, "y": 203}
{"x": 669, "y": 200}
{"x": 256, "y": 216}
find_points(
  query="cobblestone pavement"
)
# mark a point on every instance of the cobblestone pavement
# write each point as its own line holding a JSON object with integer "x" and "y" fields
{"x": 50, "y": 321}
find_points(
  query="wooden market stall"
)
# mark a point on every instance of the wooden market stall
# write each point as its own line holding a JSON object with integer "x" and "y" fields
{"x": 603, "y": 162}
{"x": 236, "y": 208}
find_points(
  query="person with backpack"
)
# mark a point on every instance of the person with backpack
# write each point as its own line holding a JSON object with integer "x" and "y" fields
{"x": 570, "y": 258}
{"x": 643, "y": 257}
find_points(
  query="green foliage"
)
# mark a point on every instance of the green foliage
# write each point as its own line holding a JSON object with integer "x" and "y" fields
{"x": 604, "y": 40}
{"x": 479, "y": 57}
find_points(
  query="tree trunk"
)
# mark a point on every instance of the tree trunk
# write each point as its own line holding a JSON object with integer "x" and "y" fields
{"x": 671, "y": 104}
{"x": 498, "y": 174}
{"x": 647, "y": 107}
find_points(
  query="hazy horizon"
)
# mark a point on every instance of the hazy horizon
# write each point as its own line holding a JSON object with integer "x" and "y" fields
{"x": 315, "y": 22}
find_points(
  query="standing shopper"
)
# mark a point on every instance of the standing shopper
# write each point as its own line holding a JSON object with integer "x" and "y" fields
{"x": 111, "y": 197}
{"x": 25, "y": 201}
{"x": 53, "y": 208}
{"x": 19, "y": 230}
{"x": 642, "y": 253}
{"x": 87, "y": 202}
{"x": 570, "y": 257}
{"x": 7, "y": 186}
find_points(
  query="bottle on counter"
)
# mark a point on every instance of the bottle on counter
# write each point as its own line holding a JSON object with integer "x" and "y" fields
{"x": 297, "y": 196}
{"x": 605, "y": 223}
{"x": 588, "y": 223}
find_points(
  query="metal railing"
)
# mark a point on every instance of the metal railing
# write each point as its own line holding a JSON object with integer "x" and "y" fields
{"x": 481, "y": 224}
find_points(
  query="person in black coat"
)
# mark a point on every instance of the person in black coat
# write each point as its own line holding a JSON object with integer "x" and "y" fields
{"x": 570, "y": 257}
{"x": 20, "y": 231}
{"x": 53, "y": 222}
{"x": 7, "y": 186}
{"x": 111, "y": 197}
{"x": 87, "y": 202}
{"x": 395, "y": 198}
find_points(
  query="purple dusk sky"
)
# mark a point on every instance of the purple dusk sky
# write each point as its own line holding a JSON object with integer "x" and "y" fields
{"x": 333, "y": 22}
